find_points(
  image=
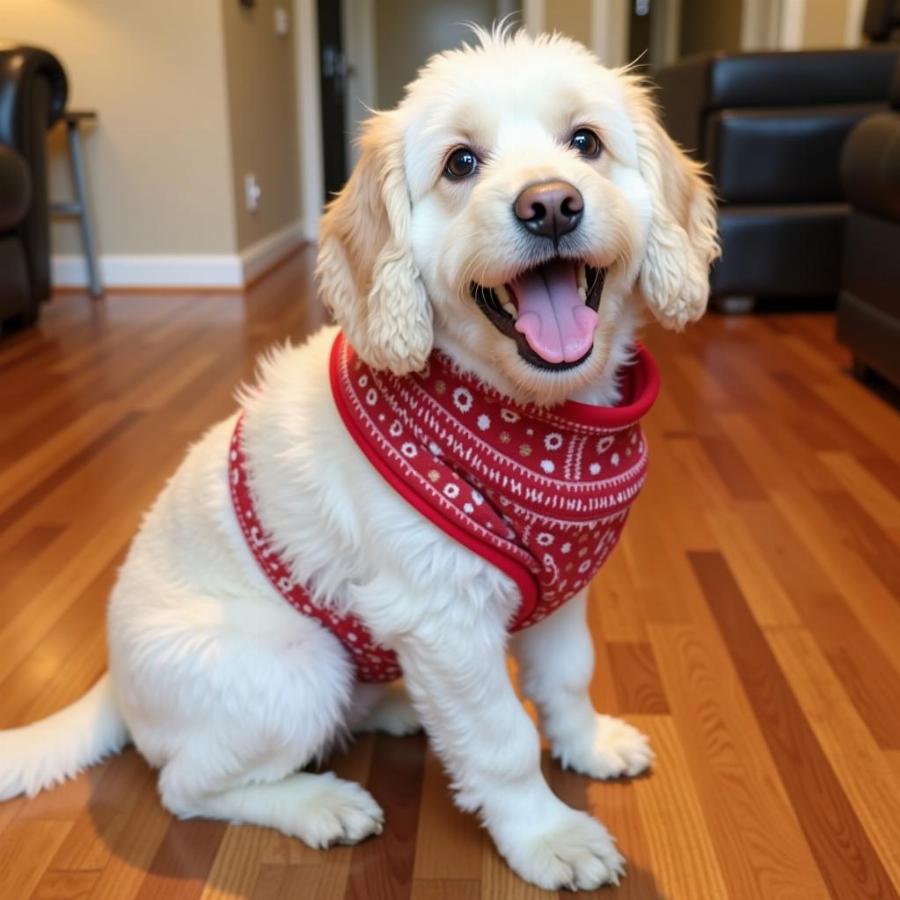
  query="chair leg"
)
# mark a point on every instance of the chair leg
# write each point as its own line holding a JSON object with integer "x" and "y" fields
{"x": 87, "y": 231}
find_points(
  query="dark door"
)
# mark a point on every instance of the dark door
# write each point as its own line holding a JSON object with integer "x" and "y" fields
{"x": 333, "y": 85}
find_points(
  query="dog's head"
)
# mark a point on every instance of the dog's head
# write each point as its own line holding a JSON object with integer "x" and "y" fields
{"x": 513, "y": 210}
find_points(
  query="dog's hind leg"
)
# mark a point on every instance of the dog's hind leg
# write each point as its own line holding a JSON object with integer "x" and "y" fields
{"x": 319, "y": 809}
{"x": 557, "y": 661}
{"x": 230, "y": 700}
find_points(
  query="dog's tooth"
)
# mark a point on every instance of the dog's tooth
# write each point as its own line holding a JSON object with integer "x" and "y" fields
{"x": 582, "y": 279}
{"x": 506, "y": 301}
{"x": 582, "y": 292}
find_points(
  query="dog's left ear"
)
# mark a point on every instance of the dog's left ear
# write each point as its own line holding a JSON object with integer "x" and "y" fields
{"x": 682, "y": 241}
{"x": 365, "y": 267}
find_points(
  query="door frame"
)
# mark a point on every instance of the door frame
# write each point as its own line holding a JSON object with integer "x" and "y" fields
{"x": 309, "y": 122}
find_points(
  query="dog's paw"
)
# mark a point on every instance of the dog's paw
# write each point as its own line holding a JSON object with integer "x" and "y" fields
{"x": 612, "y": 750}
{"x": 393, "y": 714}
{"x": 574, "y": 852}
{"x": 340, "y": 812}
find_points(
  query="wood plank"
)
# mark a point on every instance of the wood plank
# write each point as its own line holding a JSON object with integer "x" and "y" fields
{"x": 26, "y": 849}
{"x": 867, "y": 673}
{"x": 447, "y": 889}
{"x": 874, "y": 606}
{"x": 183, "y": 860}
{"x": 881, "y": 504}
{"x": 637, "y": 683}
{"x": 865, "y": 775}
{"x": 133, "y": 841}
{"x": 760, "y": 845}
{"x": 769, "y": 602}
{"x": 61, "y": 885}
{"x": 683, "y": 860}
{"x": 613, "y": 596}
{"x": 384, "y": 867}
{"x": 615, "y": 804}
{"x": 448, "y": 842}
{"x": 113, "y": 790}
{"x": 841, "y": 846}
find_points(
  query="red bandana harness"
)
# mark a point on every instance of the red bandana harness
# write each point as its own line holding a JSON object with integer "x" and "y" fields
{"x": 542, "y": 494}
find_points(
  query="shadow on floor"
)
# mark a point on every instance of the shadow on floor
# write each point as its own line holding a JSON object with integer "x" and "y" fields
{"x": 165, "y": 856}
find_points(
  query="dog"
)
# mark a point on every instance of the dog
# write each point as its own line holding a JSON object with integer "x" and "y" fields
{"x": 507, "y": 227}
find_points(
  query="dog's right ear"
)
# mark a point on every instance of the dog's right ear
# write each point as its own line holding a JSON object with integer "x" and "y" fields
{"x": 365, "y": 268}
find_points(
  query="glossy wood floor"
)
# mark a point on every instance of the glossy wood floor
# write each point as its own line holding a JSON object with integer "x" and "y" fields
{"x": 748, "y": 622}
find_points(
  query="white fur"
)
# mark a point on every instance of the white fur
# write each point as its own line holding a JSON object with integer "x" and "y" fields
{"x": 228, "y": 690}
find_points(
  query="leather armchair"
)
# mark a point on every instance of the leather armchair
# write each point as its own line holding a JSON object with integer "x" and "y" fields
{"x": 868, "y": 317}
{"x": 770, "y": 127}
{"x": 33, "y": 93}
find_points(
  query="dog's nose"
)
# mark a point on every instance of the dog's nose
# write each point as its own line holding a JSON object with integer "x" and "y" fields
{"x": 549, "y": 208}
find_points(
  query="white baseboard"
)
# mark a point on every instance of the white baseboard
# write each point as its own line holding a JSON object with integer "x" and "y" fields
{"x": 262, "y": 255}
{"x": 312, "y": 226}
{"x": 210, "y": 270}
{"x": 182, "y": 270}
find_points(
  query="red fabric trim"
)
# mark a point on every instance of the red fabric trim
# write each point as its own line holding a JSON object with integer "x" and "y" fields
{"x": 373, "y": 662}
{"x": 524, "y": 580}
{"x": 640, "y": 391}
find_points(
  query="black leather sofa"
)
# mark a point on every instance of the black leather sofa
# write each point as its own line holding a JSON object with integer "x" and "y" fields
{"x": 33, "y": 93}
{"x": 868, "y": 317}
{"x": 770, "y": 128}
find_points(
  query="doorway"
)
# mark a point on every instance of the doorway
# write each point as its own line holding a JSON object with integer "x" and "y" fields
{"x": 332, "y": 91}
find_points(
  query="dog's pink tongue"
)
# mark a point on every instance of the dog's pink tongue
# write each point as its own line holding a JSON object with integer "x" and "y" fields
{"x": 557, "y": 324}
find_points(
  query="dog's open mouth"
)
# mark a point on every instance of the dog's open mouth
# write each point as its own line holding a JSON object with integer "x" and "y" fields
{"x": 550, "y": 311}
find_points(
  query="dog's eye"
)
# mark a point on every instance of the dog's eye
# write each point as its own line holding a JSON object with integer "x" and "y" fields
{"x": 586, "y": 143}
{"x": 461, "y": 163}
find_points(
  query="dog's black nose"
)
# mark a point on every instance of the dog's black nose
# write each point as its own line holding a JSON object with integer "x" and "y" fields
{"x": 550, "y": 208}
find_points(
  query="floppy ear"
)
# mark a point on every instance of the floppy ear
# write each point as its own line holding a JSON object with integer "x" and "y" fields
{"x": 682, "y": 240}
{"x": 365, "y": 267}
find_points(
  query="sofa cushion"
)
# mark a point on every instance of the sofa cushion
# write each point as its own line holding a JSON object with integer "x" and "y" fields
{"x": 780, "y": 251}
{"x": 780, "y": 155}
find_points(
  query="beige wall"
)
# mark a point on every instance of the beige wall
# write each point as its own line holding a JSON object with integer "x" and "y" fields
{"x": 191, "y": 95}
{"x": 158, "y": 163}
{"x": 262, "y": 104}
{"x": 825, "y": 23}
{"x": 571, "y": 17}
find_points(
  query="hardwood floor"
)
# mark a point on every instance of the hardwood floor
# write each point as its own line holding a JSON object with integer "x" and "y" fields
{"x": 748, "y": 621}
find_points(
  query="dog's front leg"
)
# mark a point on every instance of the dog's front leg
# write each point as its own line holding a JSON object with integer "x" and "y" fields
{"x": 557, "y": 661}
{"x": 457, "y": 677}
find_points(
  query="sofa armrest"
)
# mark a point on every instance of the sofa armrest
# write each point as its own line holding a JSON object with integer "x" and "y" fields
{"x": 870, "y": 165}
{"x": 20, "y": 68}
{"x": 32, "y": 97}
{"x": 15, "y": 189}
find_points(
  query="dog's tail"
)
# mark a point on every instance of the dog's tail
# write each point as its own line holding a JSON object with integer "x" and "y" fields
{"x": 56, "y": 748}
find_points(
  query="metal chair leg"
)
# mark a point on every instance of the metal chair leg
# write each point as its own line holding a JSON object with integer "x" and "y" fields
{"x": 95, "y": 285}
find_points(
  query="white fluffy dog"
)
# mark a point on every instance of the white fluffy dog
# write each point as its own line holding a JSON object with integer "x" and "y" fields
{"x": 231, "y": 692}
